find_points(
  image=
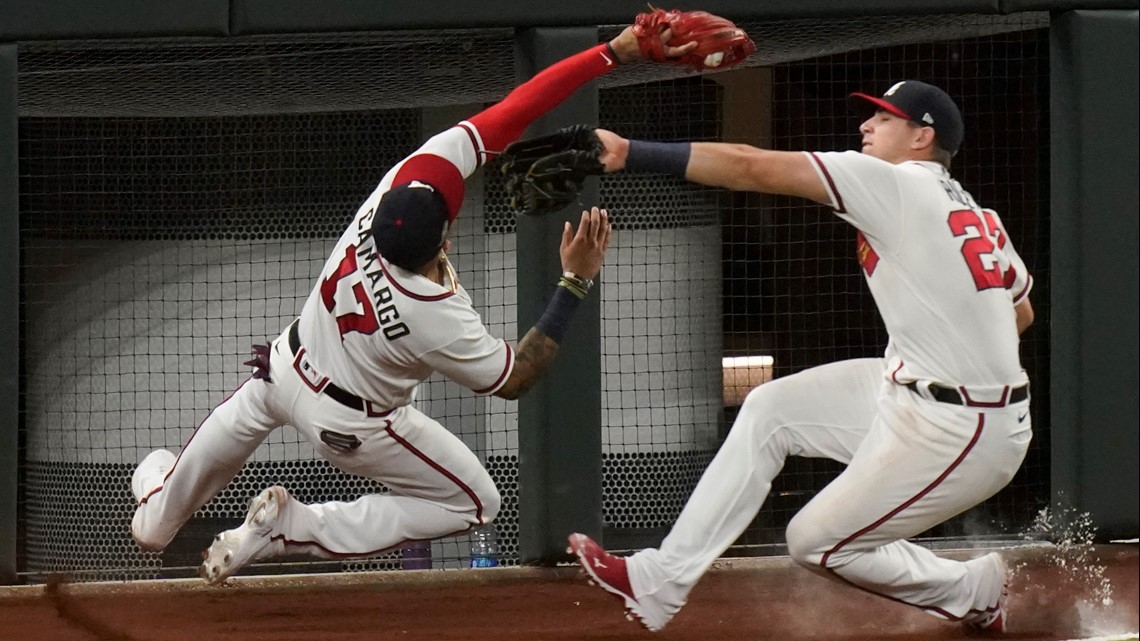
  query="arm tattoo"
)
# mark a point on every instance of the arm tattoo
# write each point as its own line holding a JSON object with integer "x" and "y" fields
{"x": 533, "y": 356}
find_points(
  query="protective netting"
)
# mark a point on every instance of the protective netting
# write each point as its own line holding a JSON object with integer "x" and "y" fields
{"x": 384, "y": 70}
{"x": 178, "y": 198}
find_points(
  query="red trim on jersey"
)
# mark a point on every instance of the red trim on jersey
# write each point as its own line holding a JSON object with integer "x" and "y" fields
{"x": 439, "y": 468}
{"x": 866, "y": 254}
{"x": 504, "y": 122}
{"x": 894, "y": 374}
{"x": 1009, "y": 277}
{"x": 839, "y": 207}
{"x": 316, "y": 387}
{"x": 503, "y": 376}
{"x": 1024, "y": 290}
{"x": 911, "y": 501}
{"x": 480, "y": 153}
{"x": 410, "y": 294}
{"x": 438, "y": 172}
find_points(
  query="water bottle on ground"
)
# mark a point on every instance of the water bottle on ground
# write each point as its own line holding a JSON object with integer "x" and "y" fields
{"x": 485, "y": 547}
{"x": 416, "y": 555}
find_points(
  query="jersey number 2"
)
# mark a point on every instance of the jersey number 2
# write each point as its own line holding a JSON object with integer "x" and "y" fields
{"x": 979, "y": 250}
{"x": 365, "y": 322}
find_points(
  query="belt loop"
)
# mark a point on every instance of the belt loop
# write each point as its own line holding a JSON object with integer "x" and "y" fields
{"x": 326, "y": 386}
{"x": 295, "y": 336}
{"x": 923, "y": 388}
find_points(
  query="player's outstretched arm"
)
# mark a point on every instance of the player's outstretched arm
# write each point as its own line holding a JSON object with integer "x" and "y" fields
{"x": 467, "y": 145}
{"x": 502, "y": 123}
{"x": 582, "y": 252}
{"x": 732, "y": 166}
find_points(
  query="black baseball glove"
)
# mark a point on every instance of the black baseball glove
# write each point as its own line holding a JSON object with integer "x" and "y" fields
{"x": 545, "y": 173}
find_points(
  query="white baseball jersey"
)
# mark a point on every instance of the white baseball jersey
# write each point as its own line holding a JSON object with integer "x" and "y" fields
{"x": 943, "y": 271}
{"x": 378, "y": 330}
{"x": 946, "y": 278}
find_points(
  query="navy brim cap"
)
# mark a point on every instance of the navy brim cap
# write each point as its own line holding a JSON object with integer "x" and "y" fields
{"x": 925, "y": 105}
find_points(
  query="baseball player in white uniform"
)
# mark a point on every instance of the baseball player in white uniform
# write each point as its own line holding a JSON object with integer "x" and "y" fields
{"x": 934, "y": 427}
{"x": 387, "y": 310}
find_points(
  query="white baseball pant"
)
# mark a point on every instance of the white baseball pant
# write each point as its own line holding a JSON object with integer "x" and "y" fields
{"x": 438, "y": 486}
{"x": 912, "y": 463}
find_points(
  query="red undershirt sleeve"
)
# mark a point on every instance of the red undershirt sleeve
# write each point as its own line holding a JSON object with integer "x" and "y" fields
{"x": 502, "y": 123}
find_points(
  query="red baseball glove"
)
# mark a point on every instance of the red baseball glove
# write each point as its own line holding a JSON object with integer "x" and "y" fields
{"x": 721, "y": 43}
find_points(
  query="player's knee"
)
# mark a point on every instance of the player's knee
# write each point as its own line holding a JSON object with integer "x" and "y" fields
{"x": 758, "y": 414}
{"x": 147, "y": 537}
{"x": 491, "y": 502}
{"x": 487, "y": 499}
{"x": 761, "y": 399}
{"x": 806, "y": 545}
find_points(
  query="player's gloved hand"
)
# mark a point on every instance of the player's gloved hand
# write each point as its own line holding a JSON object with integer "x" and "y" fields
{"x": 627, "y": 48}
{"x": 545, "y": 173}
{"x": 582, "y": 251}
{"x": 695, "y": 39}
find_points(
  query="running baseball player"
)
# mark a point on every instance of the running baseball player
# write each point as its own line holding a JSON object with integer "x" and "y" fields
{"x": 934, "y": 427}
{"x": 386, "y": 311}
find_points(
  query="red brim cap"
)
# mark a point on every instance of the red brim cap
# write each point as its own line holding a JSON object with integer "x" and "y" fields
{"x": 437, "y": 172}
{"x": 883, "y": 104}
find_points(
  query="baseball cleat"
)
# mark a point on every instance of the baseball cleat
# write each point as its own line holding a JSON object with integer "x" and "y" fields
{"x": 150, "y": 473}
{"x": 993, "y": 620}
{"x": 234, "y": 549}
{"x": 609, "y": 573}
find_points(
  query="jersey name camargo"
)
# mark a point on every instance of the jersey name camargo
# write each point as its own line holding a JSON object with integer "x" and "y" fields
{"x": 938, "y": 266}
{"x": 378, "y": 330}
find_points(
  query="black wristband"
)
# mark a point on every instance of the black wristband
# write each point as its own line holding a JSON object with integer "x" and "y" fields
{"x": 658, "y": 157}
{"x": 613, "y": 54}
{"x": 558, "y": 313}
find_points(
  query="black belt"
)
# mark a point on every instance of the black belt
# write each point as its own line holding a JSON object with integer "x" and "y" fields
{"x": 946, "y": 394}
{"x": 338, "y": 394}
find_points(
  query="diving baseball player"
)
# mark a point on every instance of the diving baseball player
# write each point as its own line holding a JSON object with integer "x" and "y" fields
{"x": 386, "y": 311}
{"x": 934, "y": 427}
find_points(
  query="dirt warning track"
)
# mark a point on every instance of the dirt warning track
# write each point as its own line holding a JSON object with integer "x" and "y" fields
{"x": 739, "y": 600}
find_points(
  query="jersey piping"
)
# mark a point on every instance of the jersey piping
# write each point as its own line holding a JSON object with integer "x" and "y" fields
{"x": 510, "y": 365}
{"x": 409, "y": 293}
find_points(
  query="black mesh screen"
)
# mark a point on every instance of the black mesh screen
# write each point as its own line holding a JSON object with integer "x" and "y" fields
{"x": 239, "y": 177}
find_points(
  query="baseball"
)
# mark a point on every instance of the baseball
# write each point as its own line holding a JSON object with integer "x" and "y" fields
{"x": 714, "y": 59}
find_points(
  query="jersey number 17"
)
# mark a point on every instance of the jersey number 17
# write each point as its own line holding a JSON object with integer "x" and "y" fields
{"x": 352, "y": 321}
